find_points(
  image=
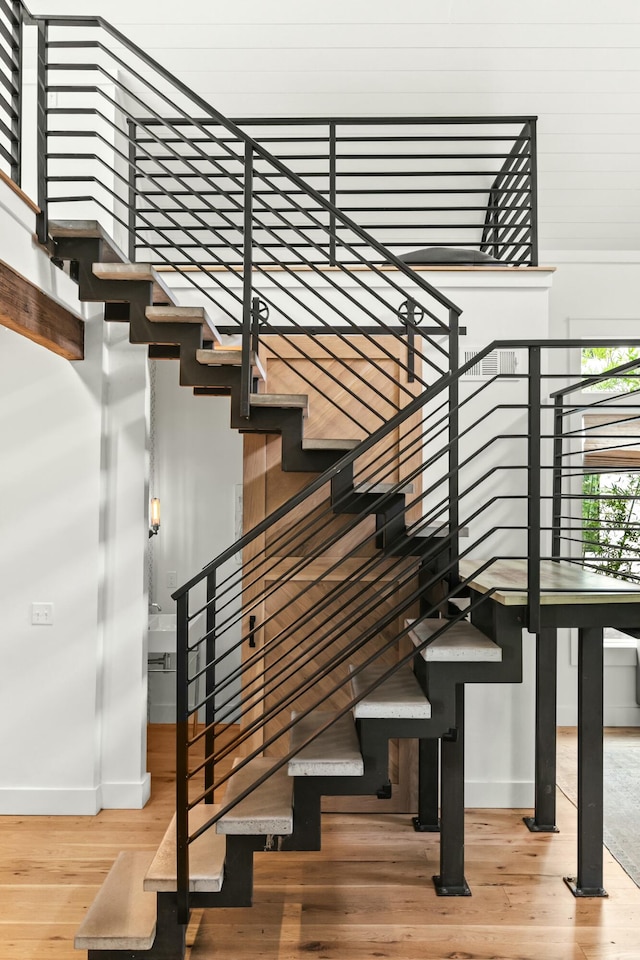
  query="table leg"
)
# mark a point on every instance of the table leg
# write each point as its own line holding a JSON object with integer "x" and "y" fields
{"x": 544, "y": 819}
{"x": 588, "y": 882}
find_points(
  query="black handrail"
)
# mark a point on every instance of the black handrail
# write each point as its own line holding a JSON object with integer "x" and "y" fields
{"x": 257, "y": 148}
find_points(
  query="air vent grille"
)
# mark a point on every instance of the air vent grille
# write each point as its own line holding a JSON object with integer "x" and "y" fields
{"x": 495, "y": 364}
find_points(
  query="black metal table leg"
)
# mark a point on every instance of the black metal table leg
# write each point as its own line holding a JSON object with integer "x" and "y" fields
{"x": 428, "y": 787}
{"x": 544, "y": 819}
{"x": 451, "y": 882}
{"x": 588, "y": 882}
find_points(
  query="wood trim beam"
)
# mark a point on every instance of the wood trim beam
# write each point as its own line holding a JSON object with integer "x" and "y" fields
{"x": 33, "y": 314}
{"x": 4, "y": 178}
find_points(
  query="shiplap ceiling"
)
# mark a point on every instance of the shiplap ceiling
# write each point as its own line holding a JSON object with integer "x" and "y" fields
{"x": 574, "y": 63}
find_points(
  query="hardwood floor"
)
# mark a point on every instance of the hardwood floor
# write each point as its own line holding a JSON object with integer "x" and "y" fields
{"x": 367, "y": 894}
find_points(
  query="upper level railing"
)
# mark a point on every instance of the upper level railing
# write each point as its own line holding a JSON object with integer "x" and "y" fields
{"x": 412, "y": 182}
{"x": 10, "y": 88}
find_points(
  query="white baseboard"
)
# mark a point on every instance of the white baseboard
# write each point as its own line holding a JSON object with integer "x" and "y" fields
{"x": 503, "y": 794}
{"x": 42, "y": 802}
{"x": 125, "y": 796}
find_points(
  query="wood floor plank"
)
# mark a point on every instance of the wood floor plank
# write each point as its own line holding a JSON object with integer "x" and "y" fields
{"x": 366, "y": 894}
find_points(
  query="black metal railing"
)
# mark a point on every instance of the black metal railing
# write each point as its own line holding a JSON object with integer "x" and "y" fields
{"x": 505, "y": 479}
{"x": 10, "y": 88}
{"x": 412, "y": 182}
{"x": 222, "y": 209}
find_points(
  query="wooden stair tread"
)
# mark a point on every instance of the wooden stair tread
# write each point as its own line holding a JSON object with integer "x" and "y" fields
{"x": 335, "y": 753}
{"x": 123, "y": 915}
{"x": 383, "y": 488}
{"x": 267, "y": 810}
{"x": 134, "y": 271}
{"x": 461, "y": 641}
{"x": 173, "y": 314}
{"x": 398, "y": 697}
{"x": 323, "y": 443}
{"x": 299, "y": 400}
{"x": 91, "y": 229}
{"x": 206, "y": 857}
{"x": 230, "y": 358}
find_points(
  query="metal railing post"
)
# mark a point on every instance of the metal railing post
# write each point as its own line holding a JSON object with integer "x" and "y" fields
{"x": 210, "y": 685}
{"x": 247, "y": 267}
{"x": 533, "y": 491}
{"x": 131, "y": 205}
{"x": 42, "y": 219}
{"x": 556, "y": 496}
{"x": 332, "y": 194}
{"x": 182, "y": 756}
{"x": 16, "y": 79}
{"x": 533, "y": 190}
{"x": 454, "y": 452}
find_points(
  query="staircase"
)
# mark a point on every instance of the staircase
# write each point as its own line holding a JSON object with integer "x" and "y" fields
{"x": 388, "y": 536}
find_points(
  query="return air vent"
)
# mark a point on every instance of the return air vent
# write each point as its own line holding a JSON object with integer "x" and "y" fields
{"x": 495, "y": 364}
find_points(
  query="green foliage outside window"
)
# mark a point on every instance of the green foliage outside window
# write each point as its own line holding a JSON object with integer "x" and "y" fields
{"x": 600, "y": 359}
{"x": 611, "y": 527}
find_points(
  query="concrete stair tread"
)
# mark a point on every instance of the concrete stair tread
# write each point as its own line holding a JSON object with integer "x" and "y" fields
{"x": 175, "y": 314}
{"x": 322, "y": 443}
{"x": 123, "y": 915}
{"x": 135, "y": 272}
{"x": 267, "y": 810}
{"x": 206, "y": 857}
{"x": 230, "y": 358}
{"x": 335, "y": 753}
{"x": 398, "y": 697}
{"x": 461, "y": 641}
{"x": 284, "y": 400}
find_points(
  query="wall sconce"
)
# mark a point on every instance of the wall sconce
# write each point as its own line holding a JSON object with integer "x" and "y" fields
{"x": 154, "y": 516}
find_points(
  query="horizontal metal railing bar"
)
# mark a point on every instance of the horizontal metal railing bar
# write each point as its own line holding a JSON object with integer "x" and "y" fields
{"x": 275, "y": 228}
{"x": 307, "y": 683}
{"x": 354, "y": 191}
{"x": 9, "y": 59}
{"x": 605, "y": 375}
{"x": 342, "y": 138}
{"x": 290, "y": 293}
{"x": 390, "y": 209}
{"x": 213, "y": 114}
{"x": 358, "y": 669}
{"x": 371, "y": 156}
{"x": 8, "y": 36}
{"x": 382, "y": 121}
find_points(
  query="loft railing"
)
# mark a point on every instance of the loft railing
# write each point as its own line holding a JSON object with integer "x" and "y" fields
{"x": 412, "y": 182}
{"x": 506, "y": 470}
{"x": 10, "y": 88}
{"x": 98, "y": 92}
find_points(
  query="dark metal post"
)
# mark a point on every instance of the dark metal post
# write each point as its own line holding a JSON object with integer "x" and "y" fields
{"x": 333, "y": 195}
{"x": 454, "y": 453}
{"x": 533, "y": 194}
{"x": 410, "y": 327}
{"x": 533, "y": 497}
{"x": 182, "y": 757}
{"x": 247, "y": 267}
{"x": 428, "y": 820}
{"x": 131, "y": 205}
{"x": 588, "y": 882}
{"x": 210, "y": 685}
{"x": 42, "y": 219}
{"x": 451, "y": 880}
{"x": 556, "y": 499}
{"x": 16, "y": 83}
{"x": 544, "y": 819}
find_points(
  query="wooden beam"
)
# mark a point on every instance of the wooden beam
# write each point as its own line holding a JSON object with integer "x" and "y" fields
{"x": 32, "y": 313}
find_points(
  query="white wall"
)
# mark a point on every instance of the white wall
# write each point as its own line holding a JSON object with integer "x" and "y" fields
{"x": 73, "y": 465}
{"x": 575, "y": 64}
{"x": 196, "y": 467}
